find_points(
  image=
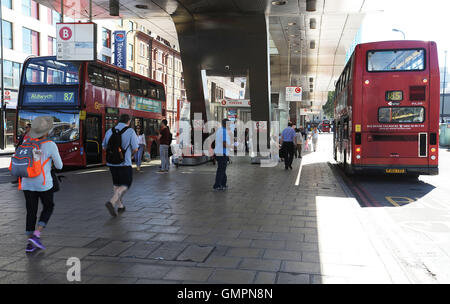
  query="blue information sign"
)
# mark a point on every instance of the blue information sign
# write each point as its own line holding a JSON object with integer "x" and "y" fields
{"x": 64, "y": 97}
{"x": 120, "y": 49}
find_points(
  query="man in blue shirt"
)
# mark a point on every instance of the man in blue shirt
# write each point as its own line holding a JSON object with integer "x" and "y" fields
{"x": 222, "y": 151}
{"x": 287, "y": 145}
{"x": 122, "y": 174}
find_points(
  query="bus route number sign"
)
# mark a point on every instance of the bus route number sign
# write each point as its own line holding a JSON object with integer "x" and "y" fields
{"x": 68, "y": 97}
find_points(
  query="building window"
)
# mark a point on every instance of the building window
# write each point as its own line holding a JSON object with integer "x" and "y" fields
{"x": 30, "y": 8}
{"x": 142, "y": 69}
{"x": 51, "y": 46}
{"x": 7, "y": 3}
{"x": 30, "y": 41}
{"x": 11, "y": 72}
{"x": 7, "y": 34}
{"x": 142, "y": 49}
{"x": 106, "y": 59}
{"x": 130, "y": 51}
{"x": 130, "y": 25}
{"x": 106, "y": 38}
{"x": 56, "y": 17}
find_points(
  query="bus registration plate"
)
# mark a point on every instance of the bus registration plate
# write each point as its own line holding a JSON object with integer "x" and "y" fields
{"x": 395, "y": 171}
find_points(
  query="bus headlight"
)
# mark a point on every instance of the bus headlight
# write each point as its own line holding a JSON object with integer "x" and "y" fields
{"x": 358, "y": 156}
{"x": 433, "y": 149}
{"x": 433, "y": 157}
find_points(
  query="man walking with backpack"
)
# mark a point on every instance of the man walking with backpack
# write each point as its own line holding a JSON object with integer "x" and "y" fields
{"x": 120, "y": 143}
{"x": 32, "y": 163}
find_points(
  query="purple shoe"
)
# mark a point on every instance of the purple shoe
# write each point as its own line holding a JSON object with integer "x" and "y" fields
{"x": 36, "y": 242}
{"x": 30, "y": 248}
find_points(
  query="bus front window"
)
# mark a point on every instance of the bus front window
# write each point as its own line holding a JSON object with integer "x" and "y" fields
{"x": 45, "y": 71}
{"x": 66, "y": 126}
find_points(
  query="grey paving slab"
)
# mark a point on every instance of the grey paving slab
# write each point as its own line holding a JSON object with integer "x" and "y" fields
{"x": 283, "y": 254}
{"x": 195, "y": 253}
{"x": 112, "y": 280}
{"x": 245, "y": 252}
{"x": 141, "y": 249}
{"x": 113, "y": 249}
{"x": 260, "y": 264}
{"x": 189, "y": 273}
{"x": 68, "y": 252}
{"x": 147, "y": 271}
{"x": 301, "y": 267}
{"x": 266, "y": 278}
{"x": 221, "y": 262}
{"x": 293, "y": 278}
{"x": 229, "y": 276}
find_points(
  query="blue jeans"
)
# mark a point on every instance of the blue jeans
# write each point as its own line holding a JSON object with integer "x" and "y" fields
{"x": 164, "y": 154}
{"x": 221, "y": 175}
{"x": 139, "y": 155}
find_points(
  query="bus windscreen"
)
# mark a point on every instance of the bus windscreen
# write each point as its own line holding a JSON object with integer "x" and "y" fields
{"x": 66, "y": 125}
{"x": 396, "y": 60}
{"x": 45, "y": 71}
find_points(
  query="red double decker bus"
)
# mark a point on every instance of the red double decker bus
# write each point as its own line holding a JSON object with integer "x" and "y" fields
{"x": 326, "y": 126}
{"x": 387, "y": 109}
{"x": 85, "y": 99}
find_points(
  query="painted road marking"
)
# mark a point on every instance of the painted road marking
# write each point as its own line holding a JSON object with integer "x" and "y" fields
{"x": 398, "y": 201}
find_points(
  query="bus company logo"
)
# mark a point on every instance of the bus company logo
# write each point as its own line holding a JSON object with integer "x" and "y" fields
{"x": 65, "y": 33}
{"x": 98, "y": 105}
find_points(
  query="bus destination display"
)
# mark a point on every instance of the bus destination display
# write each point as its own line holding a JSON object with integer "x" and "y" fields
{"x": 62, "y": 97}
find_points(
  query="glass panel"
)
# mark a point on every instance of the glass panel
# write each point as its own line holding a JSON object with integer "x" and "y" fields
{"x": 26, "y": 7}
{"x": 110, "y": 80}
{"x": 65, "y": 125}
{"x": 7, "y": 3}
{"x": 41, "y": 71}
{"x": 124, "y": 82}
{"x": 95, "y": 75}
{"x": 26, "y": 39}
{"x": 396, "y": 60}
{"x": 401, "y": 114}
{"x": 7, "y": 34}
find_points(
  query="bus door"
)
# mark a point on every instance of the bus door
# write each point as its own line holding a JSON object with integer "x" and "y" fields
{"x": 93, "y": 139}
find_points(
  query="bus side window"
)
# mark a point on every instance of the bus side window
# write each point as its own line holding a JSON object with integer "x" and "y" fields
{"x": 124, "y": 83}
{"x": 111, "y": 80}
{"x": 161, "y": 95}
{"x": 95, "y": 75}
{"x": 136, "y": 86}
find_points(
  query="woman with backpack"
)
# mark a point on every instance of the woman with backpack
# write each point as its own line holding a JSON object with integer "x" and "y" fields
{"x": 40, "y": 186}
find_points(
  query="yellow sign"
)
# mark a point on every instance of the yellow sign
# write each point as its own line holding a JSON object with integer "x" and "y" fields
{"x": 357, "y": 128}
{"x": 395, "y": 171}
{"x": 82, "y": 115}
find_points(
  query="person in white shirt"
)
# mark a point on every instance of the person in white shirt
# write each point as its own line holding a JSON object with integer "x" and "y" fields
{"x": 142, "y": 144}
{"x": 315, "y": 138}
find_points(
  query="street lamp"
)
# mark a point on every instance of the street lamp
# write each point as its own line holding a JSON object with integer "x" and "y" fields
{"x": 397, "y": 30}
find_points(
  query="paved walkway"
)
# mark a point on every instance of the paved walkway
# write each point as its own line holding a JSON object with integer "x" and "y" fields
{"x": 271, "y": 226}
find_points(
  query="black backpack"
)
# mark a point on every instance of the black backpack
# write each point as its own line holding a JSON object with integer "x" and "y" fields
{"x": 115, "y": 154}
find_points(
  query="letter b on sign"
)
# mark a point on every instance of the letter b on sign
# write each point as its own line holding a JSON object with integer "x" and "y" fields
{"x": 65, "y": 33}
